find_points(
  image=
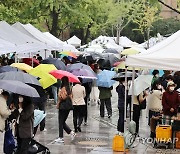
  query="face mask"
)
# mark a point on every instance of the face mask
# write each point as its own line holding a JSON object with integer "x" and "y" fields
{"x": 171, "y": 88}
{"x": 21, "y": 99}
{"x": 159, "y": 87}
{"x": 157, "y": 75}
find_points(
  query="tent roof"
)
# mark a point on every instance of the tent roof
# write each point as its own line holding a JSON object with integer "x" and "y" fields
{"x": 164, "y": 55}
{"x": 34, "y": 33}
{"x": 74, "y": 41}
{"x": 52, "y": 37}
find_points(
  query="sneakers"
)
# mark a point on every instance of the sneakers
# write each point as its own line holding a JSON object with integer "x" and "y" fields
{"x": 120, "y": 133}
{"x": 79, "y": 129}
{"x": 72, "y": 135}
{"x": 85, "y": 123}
{"x": 59, "y": 140}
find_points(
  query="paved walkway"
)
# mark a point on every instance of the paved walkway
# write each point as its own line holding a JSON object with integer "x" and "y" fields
{"x": 95, "y": 138}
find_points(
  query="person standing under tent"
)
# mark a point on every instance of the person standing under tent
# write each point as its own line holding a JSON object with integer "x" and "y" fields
{"x": 170, "y": 100}
{"x": 154, "y": 100}
{"x": 155, "y": 74}
{"x": 64, "y": 106}
{"x": 136, "y": 107}
{"x": 78, "y": 95}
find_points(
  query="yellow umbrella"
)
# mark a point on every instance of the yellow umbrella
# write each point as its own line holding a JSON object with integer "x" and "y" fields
{"x": 22, "y": 66}
{"x": 129, "y": 51}
{"x": 42, "y": 71}
{"x": 122, "y": 66}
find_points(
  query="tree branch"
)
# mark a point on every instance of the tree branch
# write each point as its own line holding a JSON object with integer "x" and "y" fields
{"x": 175, "y": 10}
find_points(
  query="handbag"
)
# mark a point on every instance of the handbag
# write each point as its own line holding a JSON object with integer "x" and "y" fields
{"x": 9, "y": 143}
{"x": 66, "y": 104}
{"x": 142, "y": 105}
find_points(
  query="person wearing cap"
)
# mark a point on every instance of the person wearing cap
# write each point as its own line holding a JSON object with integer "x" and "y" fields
{"x": 170, "y": 100}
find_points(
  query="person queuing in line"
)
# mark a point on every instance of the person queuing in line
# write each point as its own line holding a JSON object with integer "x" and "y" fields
{"x": 167, "y": 79}
{"x": 4, "y": 111}
{"x": 137, "y": 100}
{"x": 170, "y": 100}
{"x": 154, "y": 100}
{"x": 78, "y": 95}
{"x": 88, "y": 86}
{"x": 155, "y": 74}
{"x": 64, "y": 106}
{"x": 120, "y": 89}
{"x": 25, "y": 124}
{"x": 105, "y": 100}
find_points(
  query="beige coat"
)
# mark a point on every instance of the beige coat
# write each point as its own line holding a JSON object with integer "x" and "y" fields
{"x": 78, "y": 94}
{"x": 154, "y": 100}
{"x": 4, "y": 113}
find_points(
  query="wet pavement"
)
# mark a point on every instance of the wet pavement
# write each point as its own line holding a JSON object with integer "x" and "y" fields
{"x": 96, "y": 137}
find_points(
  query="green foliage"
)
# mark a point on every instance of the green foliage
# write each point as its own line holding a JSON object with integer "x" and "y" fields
{"x": 165, "y": 26}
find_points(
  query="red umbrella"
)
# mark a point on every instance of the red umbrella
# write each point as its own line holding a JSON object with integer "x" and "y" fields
{"x": 58, "y": 74}
{"x": 116, "y": 64}
{"x": 29, "y": 61}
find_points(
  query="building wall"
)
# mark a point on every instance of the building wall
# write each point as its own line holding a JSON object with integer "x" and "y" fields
{"x": 168, "y": 13}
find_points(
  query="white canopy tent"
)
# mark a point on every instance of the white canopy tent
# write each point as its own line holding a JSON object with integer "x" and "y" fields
{"x": 65, "y": 46}
{"x": 6, "y": 47}
{"x": 75, "y": 41}
{"x": 34, "y": 33}
{"x": 22, "y": 42}
{"x": 164, "y": 55}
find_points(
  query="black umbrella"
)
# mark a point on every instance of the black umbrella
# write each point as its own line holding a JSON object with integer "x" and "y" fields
{"x": 9, "y": 69}
{"x": 110, "y": 50}
{"x": 121, "y": 75}
{"x": 108, "y": 60}
{"x": 58, "y": 63}
{"x": 89, "y": 56}
{"x": 19, "y": 76}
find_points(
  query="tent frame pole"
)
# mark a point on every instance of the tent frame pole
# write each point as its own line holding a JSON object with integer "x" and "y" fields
{"x": 125, "y": 102}
{"x": 132, "y": 97}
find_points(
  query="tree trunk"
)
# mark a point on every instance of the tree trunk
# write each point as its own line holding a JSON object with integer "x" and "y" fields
{"x": 87, "y": 33}
{"x": 54, "y": 28}
{"x": 148, "y": 36}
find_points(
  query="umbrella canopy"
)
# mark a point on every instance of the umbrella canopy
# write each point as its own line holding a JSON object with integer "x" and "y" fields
{"x": 18, "y": 88}
{"x": 140, "y": 84}
{"x": 78, "y": 66}
{"x": 108, "y": 60}
{"x": 38, "y": 117}
{"x": 56, "y": 62}
{"x": 58, "y": 74}
{"x": 84, "y": 73}
{"x": 90, "y": 56}
{"x": 42, "y": 71}
{"x": 29, "y": 61}
{"x": 19, "y": 76}
{"x": 129, "y": 51}
{"x": 9, "y": 69}
{"x": 22, "y": 66}
{"x": 122, "y": 65}
{"x": 68, "y": 53}
{"x": 104, "y": 78}
{"x": 129, "y": 75}
{"x": 110, "y": 50}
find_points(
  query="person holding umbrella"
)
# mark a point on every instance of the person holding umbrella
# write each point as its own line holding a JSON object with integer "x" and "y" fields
{"x": 64, "y": 106}
{"x": 78, "y": 95}
{"x": 25, "y": 124}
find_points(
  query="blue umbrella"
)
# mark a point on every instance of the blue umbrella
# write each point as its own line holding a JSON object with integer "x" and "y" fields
{"x": 38, "y": 117}
{"x": 104, "y": 78}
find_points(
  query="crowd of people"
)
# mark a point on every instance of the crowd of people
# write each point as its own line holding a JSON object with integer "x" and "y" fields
{"x": 161, "y": 98}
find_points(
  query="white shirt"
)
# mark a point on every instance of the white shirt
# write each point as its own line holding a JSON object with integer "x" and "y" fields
{"x": 78, "y": 94}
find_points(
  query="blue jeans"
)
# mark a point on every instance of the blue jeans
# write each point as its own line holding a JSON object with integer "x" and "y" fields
{"x": 54, "y": 91}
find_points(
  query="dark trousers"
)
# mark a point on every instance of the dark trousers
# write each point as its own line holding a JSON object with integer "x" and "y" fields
{"x": 23, "y": 144}
{"x": 77, "y": 116}
{"x": 136, "y": 116}
{"x": 86, "y": 110}
{"x": 152, "y": 113}
{"x": 120, "y": 126}
{"x": 106, "y": 102}
{"x": 63, "y": 115}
